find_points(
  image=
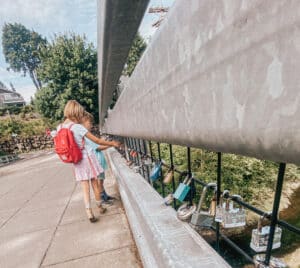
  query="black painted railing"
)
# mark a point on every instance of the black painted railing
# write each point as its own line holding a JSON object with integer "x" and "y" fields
{"x": 140, "y": 147}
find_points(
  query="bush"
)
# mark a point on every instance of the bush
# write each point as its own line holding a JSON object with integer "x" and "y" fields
{"x": 22, "y": 128}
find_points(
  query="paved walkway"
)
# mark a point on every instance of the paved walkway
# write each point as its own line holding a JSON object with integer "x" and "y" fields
{"x": 43, "y": 221}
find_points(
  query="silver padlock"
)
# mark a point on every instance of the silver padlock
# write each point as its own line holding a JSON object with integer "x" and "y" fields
{"x": 260, "y": 237}
{"x": 233, "y": 217}
{"x": 202, "y": 218}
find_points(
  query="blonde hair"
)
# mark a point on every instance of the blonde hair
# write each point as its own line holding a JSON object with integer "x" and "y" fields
{"x": 74, "y": 111}
{"x": 87, "y": 117}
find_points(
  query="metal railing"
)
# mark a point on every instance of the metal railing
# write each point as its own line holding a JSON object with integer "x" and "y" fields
{"x": 7, "y": 159}
{"x": 140, "y": 147}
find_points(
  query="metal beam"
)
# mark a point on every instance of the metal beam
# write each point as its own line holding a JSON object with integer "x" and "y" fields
{"x": 118, "y": 22}
{"x": 221, "y": 75}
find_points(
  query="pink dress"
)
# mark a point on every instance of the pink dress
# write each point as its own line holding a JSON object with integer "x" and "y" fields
{"x": 89, "y": 166}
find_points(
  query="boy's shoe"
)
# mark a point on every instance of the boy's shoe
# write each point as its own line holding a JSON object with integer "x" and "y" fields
{"x": 105, "y": 197}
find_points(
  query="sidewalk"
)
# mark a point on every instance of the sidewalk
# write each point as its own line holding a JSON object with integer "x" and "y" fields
{"x": 43, "y": 221}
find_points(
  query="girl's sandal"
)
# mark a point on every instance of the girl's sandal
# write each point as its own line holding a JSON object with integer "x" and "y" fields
{"x": 90, "y": 215}
{"x": 102, "y": 209}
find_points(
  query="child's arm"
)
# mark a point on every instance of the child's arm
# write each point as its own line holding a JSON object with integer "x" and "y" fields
{"x": 102, "y": 147}
{"x": 101, "y": 141}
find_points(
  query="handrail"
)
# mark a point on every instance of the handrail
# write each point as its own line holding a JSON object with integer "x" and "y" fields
{"x": 272, "y": 216}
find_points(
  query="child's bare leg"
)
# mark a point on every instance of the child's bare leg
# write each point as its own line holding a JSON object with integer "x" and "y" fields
{"x": 86, "y": 193}
{"x": 96, "y": 189}
{"x": 97, "y": 195}
{"x": 101, "y": 188}
{"x": 87, "y": 200}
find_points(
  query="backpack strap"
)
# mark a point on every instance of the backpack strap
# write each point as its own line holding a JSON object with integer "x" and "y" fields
{"x": 82, "y": 142}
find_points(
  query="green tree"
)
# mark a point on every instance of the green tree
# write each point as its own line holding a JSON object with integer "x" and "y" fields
{"x": 21, "y": 50}
{"x": 2, "y": 85}
{"x": 68, "y": 71}
{"x": 136, "y": 51}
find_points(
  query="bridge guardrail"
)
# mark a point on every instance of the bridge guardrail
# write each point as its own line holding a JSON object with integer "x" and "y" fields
{"x": 140, "y": 147}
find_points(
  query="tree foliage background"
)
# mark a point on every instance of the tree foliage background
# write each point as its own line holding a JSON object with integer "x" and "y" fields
{"x": 136, "y": 51}
{"x": 21, "y": 48}
{"x": 68, "y": 70}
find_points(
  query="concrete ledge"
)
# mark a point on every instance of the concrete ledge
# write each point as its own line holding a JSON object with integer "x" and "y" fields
{"x": 162, "y": 239}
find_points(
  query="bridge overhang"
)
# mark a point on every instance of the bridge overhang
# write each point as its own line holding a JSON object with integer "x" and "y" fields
{"x": 219, "y": 75}
{"x": 118, "y": 22}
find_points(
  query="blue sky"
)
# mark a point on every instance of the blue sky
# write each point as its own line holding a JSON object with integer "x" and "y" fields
{"x": 57, "y": 16}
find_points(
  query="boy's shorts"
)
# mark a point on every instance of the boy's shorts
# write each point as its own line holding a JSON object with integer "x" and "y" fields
{"x": 101, "y": 176}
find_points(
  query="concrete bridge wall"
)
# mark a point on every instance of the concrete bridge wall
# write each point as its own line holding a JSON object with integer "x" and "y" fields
{"x": 221, "y": 75}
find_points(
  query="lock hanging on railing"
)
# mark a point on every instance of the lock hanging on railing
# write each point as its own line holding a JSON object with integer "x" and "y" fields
{"x": 219, "y": 208}
{"x": 274, "y": 262}
{"x": 233, "y": 217}
{"x": 183, "y": 189}
{"x": 169, "y": 176}
{"x": 147, "y": 161}
{"x": 168, "y": 200}
{"x": 156, "y": 171}
{"x": 202, "y": 218}
{"x": 260, "y": 237}
{"x": 137, "y": 169}
{"x": 185, "y": 211}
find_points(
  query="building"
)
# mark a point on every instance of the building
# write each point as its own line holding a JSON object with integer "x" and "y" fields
{"x": 10, "y": 98}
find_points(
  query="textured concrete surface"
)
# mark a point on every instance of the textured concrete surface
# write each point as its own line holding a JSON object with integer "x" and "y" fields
{"x": 163, "y": 240}
{"x": 221, "y": 75}
{"x": 43, "y": 221}
{"x": 118, "y": 22}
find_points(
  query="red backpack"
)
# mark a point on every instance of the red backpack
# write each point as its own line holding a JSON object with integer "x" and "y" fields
{"x": 66, "y": 147}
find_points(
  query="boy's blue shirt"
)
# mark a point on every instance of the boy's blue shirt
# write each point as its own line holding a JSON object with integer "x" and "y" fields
{"x": 92, "y": 146}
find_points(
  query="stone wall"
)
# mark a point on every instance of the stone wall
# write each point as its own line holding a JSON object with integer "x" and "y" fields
{"x": 22, "y": 145}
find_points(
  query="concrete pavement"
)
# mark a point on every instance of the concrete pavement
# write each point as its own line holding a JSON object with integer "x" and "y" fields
{"x": 43, "y": 221}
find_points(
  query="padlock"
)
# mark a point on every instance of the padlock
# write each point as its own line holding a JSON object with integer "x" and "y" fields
{"x": 274, "y": 262}
{"x": 156, "y": 171}
{"x": 147, "y": 161}
{"x": 260, "y": 237}
{"x": 183, "y": 189}
{"x": 202, "y": 218}
{"x": 168, "y": 200}
{"x": 136, "y": 168}
{"x": 219, "y": 208}
{"x": 185, "y": 211}
{"x": 168, "y": 178}
{"x": 233, "y": 217}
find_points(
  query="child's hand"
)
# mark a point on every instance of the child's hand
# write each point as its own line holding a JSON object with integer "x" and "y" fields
{"x": 116, "y": 143}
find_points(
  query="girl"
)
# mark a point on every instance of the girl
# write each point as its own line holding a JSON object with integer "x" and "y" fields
{"x": 94, "y": 148}
{"x": 88, "y": 169}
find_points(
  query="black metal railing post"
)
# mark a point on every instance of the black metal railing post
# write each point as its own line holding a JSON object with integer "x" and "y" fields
{"x": 190, "y": 174}
{"x": 126, "y": 149}
{"x": 146, "y": 155}
{"x": 130, "y": 148}
{"x": 219, "y": 170}
{"x": 172, "y": 167}
{"x": 135, "y": 149}
{"x": 274, "y": 217}
{"x": 151, "y": 152}
{"x": 161, "y": 175}
{"x": 140, "y": 153}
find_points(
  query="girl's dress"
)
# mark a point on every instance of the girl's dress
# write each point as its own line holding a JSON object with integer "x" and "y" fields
{"x": 89, "y": 166}
{"x": 92, "y": 149}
